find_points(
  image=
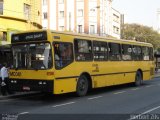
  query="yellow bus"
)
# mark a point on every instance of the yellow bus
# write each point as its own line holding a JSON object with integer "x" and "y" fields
{"x": 63, "y": 62}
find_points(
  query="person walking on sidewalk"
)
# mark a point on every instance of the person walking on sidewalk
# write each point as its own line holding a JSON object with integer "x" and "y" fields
{"x": 5, "y": 80}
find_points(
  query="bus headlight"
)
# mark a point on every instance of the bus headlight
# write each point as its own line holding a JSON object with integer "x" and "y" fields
{"x": 13, "y": 81}
{"x": 44, "y": 83}
{"x": 40, "y": 83}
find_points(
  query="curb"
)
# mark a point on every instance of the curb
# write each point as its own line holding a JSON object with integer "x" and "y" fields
{"x": 157, "y": 76}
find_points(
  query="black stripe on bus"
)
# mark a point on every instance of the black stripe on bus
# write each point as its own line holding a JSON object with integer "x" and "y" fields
{"x": 67, "y": 77}
{"x": 118, "y": 73}
{"x": 113, "y": 73}
{"x": 101, "y": 74}
{"x": 146, "y": 71}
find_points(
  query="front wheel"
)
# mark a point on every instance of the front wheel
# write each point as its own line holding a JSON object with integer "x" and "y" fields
{"x": 82, "y": 86}
{"x": 138, "y": 79}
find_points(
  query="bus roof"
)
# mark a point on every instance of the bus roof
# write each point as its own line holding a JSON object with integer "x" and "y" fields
{"x": 83, "y": 35}
{"x": 99, "y": 37}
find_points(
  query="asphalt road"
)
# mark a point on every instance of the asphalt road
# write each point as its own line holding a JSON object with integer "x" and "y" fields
{"x": 119, "y": 102}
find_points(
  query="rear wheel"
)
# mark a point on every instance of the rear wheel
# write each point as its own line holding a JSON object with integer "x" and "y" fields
{"x": 138, "y": 79}
{"x": 82, "y": 86}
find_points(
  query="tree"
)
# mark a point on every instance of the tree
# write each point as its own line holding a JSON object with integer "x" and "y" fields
{"x": 141, "y": 33}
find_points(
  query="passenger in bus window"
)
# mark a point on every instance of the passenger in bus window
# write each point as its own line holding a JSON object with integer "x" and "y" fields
{"x": 57, "y": 60}
{"x": 81, "y": 57}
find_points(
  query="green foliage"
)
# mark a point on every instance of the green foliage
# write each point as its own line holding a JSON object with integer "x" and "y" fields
{"x": 141, "y": 33}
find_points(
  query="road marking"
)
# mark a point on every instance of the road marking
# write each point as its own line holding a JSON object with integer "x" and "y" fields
{"x": 63, "y": 104}
{"x": 149, "y": 86}
{"x": 119, "y": 92}
{"x": 94, "y": 97}
{"x": 23, "y": 113}
{"x": 146, "y": 112}
{"x": 136, "y": 89}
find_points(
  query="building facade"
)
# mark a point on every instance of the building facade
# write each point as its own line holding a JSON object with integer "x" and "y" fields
{"x": 116, "y": 23}
{"x": 81, "y": 16}
{"x": 18, "y": 15}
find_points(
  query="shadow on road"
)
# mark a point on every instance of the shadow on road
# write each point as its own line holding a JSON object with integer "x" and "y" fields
{"x": 50, "y": 98}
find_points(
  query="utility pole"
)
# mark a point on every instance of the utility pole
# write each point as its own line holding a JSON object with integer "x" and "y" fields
{"x": 122, "y": 26}
{"x": 69, "y": 21}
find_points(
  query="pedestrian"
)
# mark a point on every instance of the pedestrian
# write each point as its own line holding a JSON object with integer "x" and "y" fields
{"x": 5, "y": 80}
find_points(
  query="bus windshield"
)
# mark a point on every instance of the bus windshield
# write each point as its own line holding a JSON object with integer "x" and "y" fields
{"x": 32, "y": 56}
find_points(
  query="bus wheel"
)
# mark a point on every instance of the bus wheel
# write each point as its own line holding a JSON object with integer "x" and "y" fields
{"x": 138, "y": 79}
{"x": 82, "y": 86}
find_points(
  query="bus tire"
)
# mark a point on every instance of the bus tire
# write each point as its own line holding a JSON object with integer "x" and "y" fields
{"x": 82, "y": 86}
{"x": 138, "y": 79}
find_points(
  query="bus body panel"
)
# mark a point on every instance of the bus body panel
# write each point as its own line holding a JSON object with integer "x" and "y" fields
{"x": 65, "y": 85}
{"x": 102, "y": 73}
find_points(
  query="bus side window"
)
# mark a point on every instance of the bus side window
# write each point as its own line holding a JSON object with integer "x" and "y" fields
{"x": 151, "y": 56}
{"x": 100, "y": 51}
{"x": 83, "y": 50}
{"x": 63, "y": 54}
{"x": 145, "y": 52}
{"x": 126, "y": 52}
{"x": 114, "y": 51}
{"x": 137, "y": 53}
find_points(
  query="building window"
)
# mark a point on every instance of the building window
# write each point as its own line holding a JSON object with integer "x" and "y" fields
{"x": 1, "y": 7}
{"x": 61, "y": 14}
{"x": 79, "y": 28}
{"x": 44, "y": 2}
{"x": 116, "y": 18}
{"x": 80, "y": 12}
{"x": 92, "y": 12}
{"x": 61, "y": 1}
{"x": 61, "y": 28}
{"x": 3, "y": 36}
{"x": 45, "y": 15}
{"x": 92, "y": 29}
{"x": 27, "y": 9}
{"x": 115, "y": 30}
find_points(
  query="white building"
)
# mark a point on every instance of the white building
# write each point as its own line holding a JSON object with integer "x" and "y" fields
{"x": 116, "y": 22}
{"x": 82, "y": 16}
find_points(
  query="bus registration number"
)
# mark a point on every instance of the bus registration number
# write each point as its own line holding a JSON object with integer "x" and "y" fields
{"x": 26, "y": 88}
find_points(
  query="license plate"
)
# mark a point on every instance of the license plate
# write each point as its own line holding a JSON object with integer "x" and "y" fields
{"x": 26, "y": 88}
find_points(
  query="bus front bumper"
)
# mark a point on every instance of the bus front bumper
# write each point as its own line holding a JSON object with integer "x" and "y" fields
{"x": 31, "y": 85}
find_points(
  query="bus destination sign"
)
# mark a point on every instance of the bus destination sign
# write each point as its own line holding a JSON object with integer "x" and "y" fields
{"x": 31, "y": 36}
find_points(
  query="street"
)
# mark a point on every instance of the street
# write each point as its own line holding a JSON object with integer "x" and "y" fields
{"x": 124, "y": 101}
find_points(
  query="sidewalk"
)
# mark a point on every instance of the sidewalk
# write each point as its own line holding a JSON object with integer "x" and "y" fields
{"x": 157, "y": 74}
